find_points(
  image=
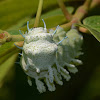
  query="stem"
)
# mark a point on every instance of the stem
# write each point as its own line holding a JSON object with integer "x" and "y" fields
{"x": 16, "y": 38}
{"x": 82, "y": 10}
{"x": 66, "y": 26}
{"x": 84, "y": 30}
{"x": 79, "y": 14}
{"x": 20, "y": 44}
{"x": 95, "y": 3}
{"x": 38, "y": 15}
{"x": 87, "y": 3}
{"x": 4, "y": 37}
{"x": 67, "y": 15}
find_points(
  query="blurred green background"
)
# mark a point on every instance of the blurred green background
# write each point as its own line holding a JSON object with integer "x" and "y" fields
{"x": 84, "y": 85}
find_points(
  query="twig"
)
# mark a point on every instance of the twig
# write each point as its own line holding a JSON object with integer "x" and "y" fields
{"x": 67, "y": 15}
{"x": 4, "y": 37}
{"x": 84, "y": 30}
{"x": 95, "y": 3}
{"x": 20, "y": 44}
{"x": 82, "y": 10}
{"x": 87, "y": 3}
{"x": 16, "y": 38}
{"x": 38, "y": 15}
{"x": 79, "y": 14}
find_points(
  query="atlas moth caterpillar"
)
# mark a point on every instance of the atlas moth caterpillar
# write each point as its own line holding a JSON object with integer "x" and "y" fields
{"x": 47, "y": 57}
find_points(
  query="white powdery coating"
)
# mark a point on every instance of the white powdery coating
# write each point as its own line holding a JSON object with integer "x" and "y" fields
{"x": 42, "y": 58}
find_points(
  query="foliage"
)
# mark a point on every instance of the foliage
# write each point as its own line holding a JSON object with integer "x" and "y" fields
{"x": 14, "y": 15}
{"x": 93, "y": 25}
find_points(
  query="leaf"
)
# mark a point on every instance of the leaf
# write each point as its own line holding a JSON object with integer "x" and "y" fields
{"x": 52, "y": 19}
{"x": 11, "y": 11}
{"x": 93, "y": 25}
{"x": 57, "y": 12}
{"x": 6, "y": 50}
{"x": 93, "y": 22}
{"x": 15, "y": 10}
{"x": 8, "y": 55}
{"x": 94, "y": 32}
{"x": 6, "y": 66}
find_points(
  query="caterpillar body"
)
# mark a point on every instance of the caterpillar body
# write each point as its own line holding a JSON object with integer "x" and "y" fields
{"x": 50, "y": 56}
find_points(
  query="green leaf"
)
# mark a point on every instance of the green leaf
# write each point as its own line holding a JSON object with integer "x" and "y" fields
{"x": 94, "y": 32}
{"x": 6, "y": 50}
{"x": 15, "y": 10}
{"x": 6, "y": 66}
{"x": 51, "y": 18}
{"x": 57, "y": 12}
{"x": 93, "y": 22}
{"x": 8, "y": 55}
{"x": 93, "y": 25}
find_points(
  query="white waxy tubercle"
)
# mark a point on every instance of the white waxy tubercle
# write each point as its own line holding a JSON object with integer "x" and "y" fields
{"x": 45, "y": 55}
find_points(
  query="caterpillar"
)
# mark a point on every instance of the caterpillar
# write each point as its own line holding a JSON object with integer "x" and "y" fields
{"x": 49, "y": 56}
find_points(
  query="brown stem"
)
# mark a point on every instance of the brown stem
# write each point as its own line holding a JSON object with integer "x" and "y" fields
{"x": 82, "y": 10}
{"x": 87, "y": 3}
{"x": 94, "y": 3}
{"x": 38, "y": 15}
{"x": 84, "y": 30}
{"x": 17, "y": 38}
{"x": 4, "y": 37}
{"x": 67, "y": 15}
{"x": 20, "y": 44}
{"x": 79, "y": 14}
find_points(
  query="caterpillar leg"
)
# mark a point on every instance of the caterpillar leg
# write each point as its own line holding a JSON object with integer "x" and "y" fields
{"x": 50, "y": 70}
{"x": 40, "y": 85}
{"x": 77, "y": 61}
{"x": 65, "y": 74}
{"x": 57, "y": 77}
{"x": 37, "y": 70}
{"x": 51, "y": 86}
{"x": 20, "y": 54}
{"x": 71, "y": 68}
{"x": 58, "y": 66}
